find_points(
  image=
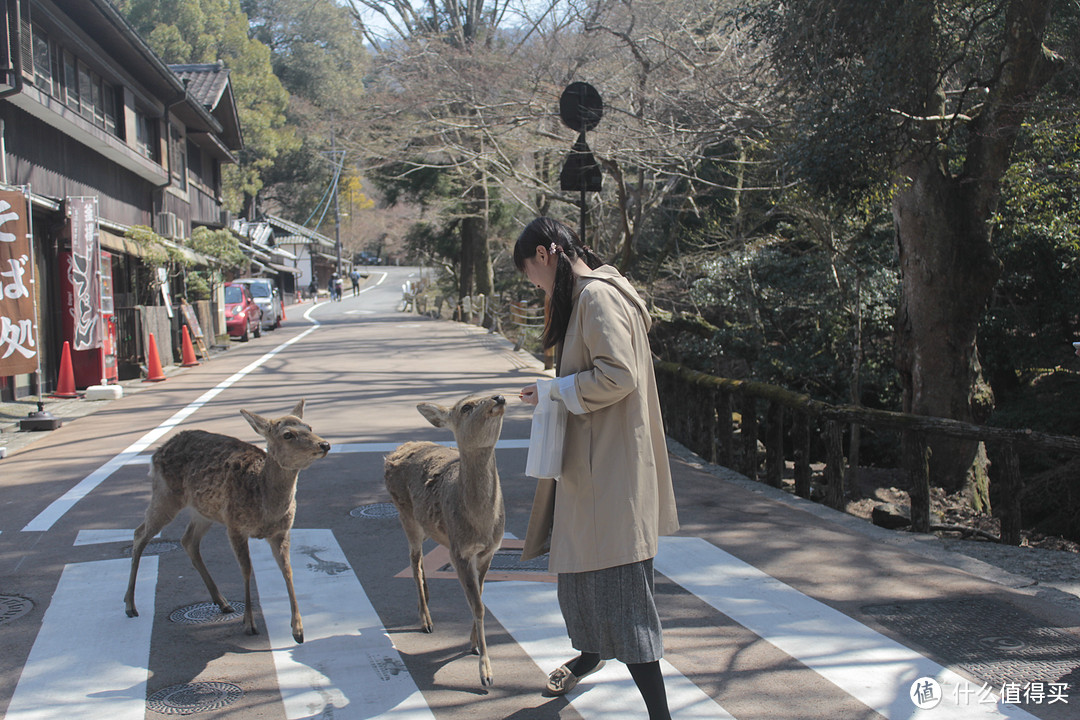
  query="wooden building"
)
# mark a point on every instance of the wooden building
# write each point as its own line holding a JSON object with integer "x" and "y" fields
{"x": 89, "y": 112}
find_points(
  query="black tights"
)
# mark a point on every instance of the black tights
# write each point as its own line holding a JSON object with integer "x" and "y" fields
{"x": 647, "y": 677}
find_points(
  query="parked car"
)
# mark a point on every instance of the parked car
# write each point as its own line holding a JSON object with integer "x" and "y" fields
{"x": 266, "y": 297}
{"x": 243, "y": 317}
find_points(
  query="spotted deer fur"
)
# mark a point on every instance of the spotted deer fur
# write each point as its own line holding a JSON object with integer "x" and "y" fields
{"x": 226, "y": 480}
{"x": 454, "y": 497}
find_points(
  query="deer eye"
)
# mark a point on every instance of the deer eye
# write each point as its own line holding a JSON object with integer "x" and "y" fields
{"x": 288, "y": 435}
{"x": 467, "y": 408}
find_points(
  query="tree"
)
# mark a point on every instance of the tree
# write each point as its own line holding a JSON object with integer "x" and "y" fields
{"x": 920, "y": 103}
{"x": 206, "y": 31}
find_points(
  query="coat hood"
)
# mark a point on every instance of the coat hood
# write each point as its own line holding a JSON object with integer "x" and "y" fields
{"x": 610, "y": 275}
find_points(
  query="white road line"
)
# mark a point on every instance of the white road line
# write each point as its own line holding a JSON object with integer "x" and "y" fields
{"x": 89, "y": 660}
{"x": 391, "y": 446}
{"x": 48, "y": 517}
{"x": 348, "y": 666}
{"x": 96, "y": 537}
{"x": 870, "y": 667}
{"x": 530, "y": 613}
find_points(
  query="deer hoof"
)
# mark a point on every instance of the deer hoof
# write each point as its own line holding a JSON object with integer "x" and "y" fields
{"x": 132, "y": 612}
{"x": 298, "y": 637}
{"x": 251, "y": 630}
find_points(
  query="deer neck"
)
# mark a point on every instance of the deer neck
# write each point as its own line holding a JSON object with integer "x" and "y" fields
{"x": 279, "y": 486}
{"x": 480, "y": 488}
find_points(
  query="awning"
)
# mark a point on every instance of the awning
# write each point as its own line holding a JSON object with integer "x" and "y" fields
{"x": 286, "y": 269}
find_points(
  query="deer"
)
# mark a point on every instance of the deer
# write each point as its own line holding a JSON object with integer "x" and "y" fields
{"x": 226, "y": 480}
{"x": 453, "y": 496}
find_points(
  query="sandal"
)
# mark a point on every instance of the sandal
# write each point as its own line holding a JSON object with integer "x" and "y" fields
{"x": 562, "y": 680}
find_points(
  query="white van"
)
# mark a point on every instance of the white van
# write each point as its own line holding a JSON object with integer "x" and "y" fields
{"x": 268, "y": 298}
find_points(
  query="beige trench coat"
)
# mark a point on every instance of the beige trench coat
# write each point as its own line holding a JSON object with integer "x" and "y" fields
{"x": 614, "y": 498}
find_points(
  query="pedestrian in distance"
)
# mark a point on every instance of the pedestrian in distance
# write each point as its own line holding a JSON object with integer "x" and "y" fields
{"x": 339, "y": 287}
{"x": 355, "y": 277}
{"x": 602, "y": 518}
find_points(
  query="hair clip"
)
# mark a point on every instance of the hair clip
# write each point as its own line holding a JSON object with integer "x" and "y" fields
{"x": 553, "y": 248}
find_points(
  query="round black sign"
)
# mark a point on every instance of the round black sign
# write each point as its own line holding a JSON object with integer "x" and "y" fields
{"x": 580, "y": 106}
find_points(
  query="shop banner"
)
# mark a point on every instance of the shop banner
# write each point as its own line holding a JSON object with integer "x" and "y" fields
{"x": 18, "y": 333}
{"x": 84, "y": 274}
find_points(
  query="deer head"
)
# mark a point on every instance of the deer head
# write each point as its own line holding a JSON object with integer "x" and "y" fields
{"x": 476, "y": 421}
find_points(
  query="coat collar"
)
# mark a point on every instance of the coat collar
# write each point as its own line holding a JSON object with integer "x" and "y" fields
{"x": 610, "y": 275}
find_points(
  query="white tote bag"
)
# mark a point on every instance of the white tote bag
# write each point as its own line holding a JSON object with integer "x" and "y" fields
{"x": 547, "y": 435}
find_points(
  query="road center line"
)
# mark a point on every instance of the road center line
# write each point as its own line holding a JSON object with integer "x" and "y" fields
{"x": 59, "y": 507}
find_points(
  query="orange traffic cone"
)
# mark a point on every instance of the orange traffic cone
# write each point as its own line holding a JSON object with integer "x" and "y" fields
{"x": 65, "y": 383}
{"x": 153, "y": 363}
{"x": 188, "y": 351}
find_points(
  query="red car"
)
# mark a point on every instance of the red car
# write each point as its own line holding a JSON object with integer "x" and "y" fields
{"x": 243, "y": 317}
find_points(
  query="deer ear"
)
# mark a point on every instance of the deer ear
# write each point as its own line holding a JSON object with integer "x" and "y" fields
{"x": 437, "y": 415}
{"x": 298, "y": 411}
{"x": 258, "y": 423}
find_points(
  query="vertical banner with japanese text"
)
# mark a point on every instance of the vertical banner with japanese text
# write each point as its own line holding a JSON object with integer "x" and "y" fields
{"x": 85, "y": 272}
{"x": 18, "y": 331}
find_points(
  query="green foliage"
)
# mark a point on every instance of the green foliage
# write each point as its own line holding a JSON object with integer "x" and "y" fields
{"x": 221, "y": 245}
{"x": 1033, "y": 315}
{"x": 155, "y": 253}
{"x": 205, "y": 31}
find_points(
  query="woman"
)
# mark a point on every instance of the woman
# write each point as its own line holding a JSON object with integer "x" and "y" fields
{"x": 614, "y": 497}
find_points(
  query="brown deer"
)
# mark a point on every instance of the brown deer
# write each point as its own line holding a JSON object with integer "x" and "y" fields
{"x": 454, "y": 497}
{"x": 226, "y": 480}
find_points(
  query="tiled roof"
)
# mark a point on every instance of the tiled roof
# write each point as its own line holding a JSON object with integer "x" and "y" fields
{"x": 205, "y": 81}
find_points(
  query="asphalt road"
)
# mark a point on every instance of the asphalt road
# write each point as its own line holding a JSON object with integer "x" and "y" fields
{"x": 771, "y": 611}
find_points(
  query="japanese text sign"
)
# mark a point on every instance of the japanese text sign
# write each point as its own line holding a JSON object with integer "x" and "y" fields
{"x": 18, "y": 333}
{"x": 85, "y": 272}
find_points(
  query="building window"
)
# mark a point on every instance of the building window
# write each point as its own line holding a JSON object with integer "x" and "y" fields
{"x": 43, "y": 77}
{"x": 177, "y": 157}
{"x": 146, "y": 136}
{"x": 195, "y": 165}
{"x": 71, "y": 82}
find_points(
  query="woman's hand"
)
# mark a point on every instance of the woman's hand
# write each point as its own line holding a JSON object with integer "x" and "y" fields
{"x": 528, "y": 394}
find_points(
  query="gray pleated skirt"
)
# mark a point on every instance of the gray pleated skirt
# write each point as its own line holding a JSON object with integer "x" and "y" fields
{"x": 612, "y": 612}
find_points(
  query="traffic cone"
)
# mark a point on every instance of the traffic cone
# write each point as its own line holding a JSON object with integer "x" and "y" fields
{"x": 65, "y": 383}
{"x": 188, "y": 359}
{"x": 153, "y": 363}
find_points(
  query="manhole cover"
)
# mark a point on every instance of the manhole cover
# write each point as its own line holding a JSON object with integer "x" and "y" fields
{"x": 375, "y": 511}
{"x": 994, "y": 641}
{"x": 206, "y": 612}
{"x": 509, "y": 561}
{"x": 12, "y": 606}
{"x": 193, "y": 698}
{"x": 155, "y": 548}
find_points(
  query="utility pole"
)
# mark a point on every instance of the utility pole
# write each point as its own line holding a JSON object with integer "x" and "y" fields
{"x": 337, "y": 207}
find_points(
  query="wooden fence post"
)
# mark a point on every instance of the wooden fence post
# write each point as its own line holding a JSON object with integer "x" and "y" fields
{"x": 801, "y": 441}
{"x": 1007, "y": 508}
{"x": 916, "y": 454}
{"x": 749, "y": 429}
{"x": 834, "y": 464}
{"x": 774, "y": 449}
{"x": 726, "y": 432}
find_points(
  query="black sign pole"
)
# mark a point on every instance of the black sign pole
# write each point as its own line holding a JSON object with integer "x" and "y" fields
{"x": 581, "y": 108}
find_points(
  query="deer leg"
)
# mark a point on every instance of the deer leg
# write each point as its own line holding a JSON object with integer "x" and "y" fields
{"x": 280, "y": 545}
{"x": 415, "y": 535}
{"x": 240, "y": 550}
{"x": 192, "y": 538}
{"x": 150, "y": 527}
{"x": 469, "y": 576}
{"x": 483, "y": 563}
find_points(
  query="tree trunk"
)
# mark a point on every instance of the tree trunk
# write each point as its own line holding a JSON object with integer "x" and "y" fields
{"x": 947, "y": 270}
{"x": 947, "y": 264}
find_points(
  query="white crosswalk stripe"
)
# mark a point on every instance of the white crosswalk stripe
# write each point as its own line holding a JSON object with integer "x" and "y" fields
{"x": 530, "y": 613}
{"x": 347, "y": 666}
{"x": 870, "y": 667}
{"x": 89, "y": 660}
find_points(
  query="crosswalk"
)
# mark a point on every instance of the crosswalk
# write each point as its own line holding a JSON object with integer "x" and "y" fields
{"x": 90, "y": 661}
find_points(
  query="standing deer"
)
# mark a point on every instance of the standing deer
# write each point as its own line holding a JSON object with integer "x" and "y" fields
{"x": 226, "y": 480}
{"x": 453, "y": 497}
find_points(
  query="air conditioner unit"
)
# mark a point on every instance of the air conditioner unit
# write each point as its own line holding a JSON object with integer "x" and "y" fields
{"x": 167, "y": 225}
